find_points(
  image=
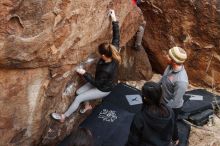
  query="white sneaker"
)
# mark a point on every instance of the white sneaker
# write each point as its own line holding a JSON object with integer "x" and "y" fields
{"x": 82, "y": 111}
{"x": 56, "y": 116}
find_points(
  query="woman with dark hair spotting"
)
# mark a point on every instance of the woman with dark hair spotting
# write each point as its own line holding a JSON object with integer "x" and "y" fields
{"x": 154, "y": 124}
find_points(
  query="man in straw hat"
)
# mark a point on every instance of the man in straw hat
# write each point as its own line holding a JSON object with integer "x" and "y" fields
{"x": 174, "y": 83}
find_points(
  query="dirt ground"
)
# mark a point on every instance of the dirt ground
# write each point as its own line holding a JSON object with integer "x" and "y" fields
{"x": 206, "y": 136}
{"x": 199, "y": 136}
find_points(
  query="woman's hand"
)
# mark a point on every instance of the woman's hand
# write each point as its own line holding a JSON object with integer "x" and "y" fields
{"x": 80, "y": 71}
{"x": 112, "y": 14}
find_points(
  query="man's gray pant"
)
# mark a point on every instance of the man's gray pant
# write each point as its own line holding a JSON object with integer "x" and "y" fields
{"x": 85, "y": 93}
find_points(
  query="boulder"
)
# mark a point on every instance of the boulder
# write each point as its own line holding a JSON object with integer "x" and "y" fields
{"x": 191, "y": 24}
{"x": 135, "y": 63}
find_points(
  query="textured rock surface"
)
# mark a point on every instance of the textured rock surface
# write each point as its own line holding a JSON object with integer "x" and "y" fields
{"x": 191, "y": 24}
{"x": 21, "y": 101}
{"x": 40, "y": 42}
{"x": 135, "y": 65}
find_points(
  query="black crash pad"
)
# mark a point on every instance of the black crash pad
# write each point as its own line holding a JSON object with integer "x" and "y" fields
{"x": 108, "y": 130}
{"x": 201, "y": 119}
{"x": 196, "y": 106}
{"x": 118, "y": 97}
{"x": 109, "y": 125}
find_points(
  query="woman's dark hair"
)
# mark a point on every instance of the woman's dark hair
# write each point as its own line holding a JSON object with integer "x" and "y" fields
{"x": 81, "y": 137}
{"x": 109, "y": 50}
{"x": 152, "y": 93}
{"x": 152, "y": 99}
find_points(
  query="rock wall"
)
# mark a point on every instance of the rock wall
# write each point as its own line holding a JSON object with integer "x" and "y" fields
{"x": 135, "y": 65}
{"x": 191, "y": 24}
{"x": 41, "y": 41}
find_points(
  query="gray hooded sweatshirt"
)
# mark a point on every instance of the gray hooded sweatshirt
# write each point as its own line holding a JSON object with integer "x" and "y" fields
{"x": 174, "y": 85}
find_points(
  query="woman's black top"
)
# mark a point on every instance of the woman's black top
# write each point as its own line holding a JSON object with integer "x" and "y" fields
{"x": 150, "y": 129}
{"x": 106, "y": 71}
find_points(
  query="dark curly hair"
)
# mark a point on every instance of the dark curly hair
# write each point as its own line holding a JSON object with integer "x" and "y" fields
{"x": 152, "y": 99}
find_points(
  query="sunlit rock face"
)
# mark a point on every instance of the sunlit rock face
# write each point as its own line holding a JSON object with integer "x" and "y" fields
{"x": 41, "y": 41}
{"x": 191, "y": 24}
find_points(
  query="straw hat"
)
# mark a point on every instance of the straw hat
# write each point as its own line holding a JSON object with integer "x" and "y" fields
{"x": 178, "y": 54}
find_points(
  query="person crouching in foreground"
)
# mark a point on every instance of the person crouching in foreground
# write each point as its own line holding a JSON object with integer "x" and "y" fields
{"x": 154, "y": 124}
{"x": 106, "y": 70}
